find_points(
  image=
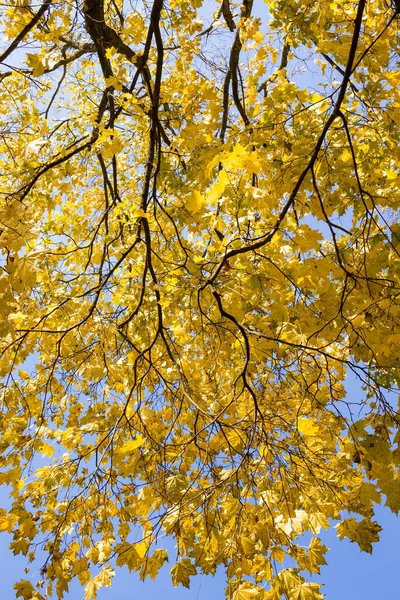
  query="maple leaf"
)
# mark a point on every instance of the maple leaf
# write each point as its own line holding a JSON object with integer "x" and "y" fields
{"x": 131, "y": 445}
{"x": 35, "y": 62}
{"x": 392, "y": 492}
{"x": 364, "y": 532}
{"x": 20, "y": 546}
{"x": 307, "y": 591}
{"x": 194, "y": 202}
{"x": 153, "y": 564}
{"x": 182, "y": 571}
{"x": 101, "y": 579}
{"x": 248, "y": 592}
{"x": 7, "y": 520}
{"x": 316, "y": 554}
{"x": 24, "y": 589}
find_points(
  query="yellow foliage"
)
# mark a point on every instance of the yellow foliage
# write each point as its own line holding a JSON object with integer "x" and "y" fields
{"x": 24, "y": 589}
{"x": 182, "y": 571}
{"x": 197, "y": 248}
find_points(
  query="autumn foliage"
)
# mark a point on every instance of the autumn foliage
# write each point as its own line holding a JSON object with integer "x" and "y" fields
{"x": 200, "y": 242}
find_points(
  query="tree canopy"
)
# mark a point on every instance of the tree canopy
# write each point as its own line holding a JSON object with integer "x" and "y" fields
{"x": 200, "y": 242}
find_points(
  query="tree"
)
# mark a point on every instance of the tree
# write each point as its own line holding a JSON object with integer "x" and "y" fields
{"x": 199, "y": 245}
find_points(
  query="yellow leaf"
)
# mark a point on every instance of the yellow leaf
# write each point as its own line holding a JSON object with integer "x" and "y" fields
{"x": 294, "y": 587}
{"x": 131, "y": 445}
{"x": 391, "y": 175}
{"x": 308, "y": 427}
{"x": 20, "y": 546}
{"x": 277, "y": 553}
{"x": 153, "y": 564}
{"x": 316, "y": 552}
{"x": 317, "y": 522}
{"x": 182, "y": 571}
{"x": 194, "y": 201}
{"x": 24, "y": 589}
{"x": 114, "y": 82}
{"x": 248, "y": 545}
{"x": 306, "y": 591}
{"x": 7, "y": 520}
{"x": 392, "y": 493}
{"x": 46, "y": 449}
{"x": 346, "y": 156}
{"x": 100, "y": 580}
{"x": 141, "y": 549}
{"x": 91, "y": 589}
{"x": 80, "y": 566}
{"x": 35, "y": 63}
{"x": 247, "y": 591}
{"x": 127, "y": 555}
{"x": 364, "y": 532}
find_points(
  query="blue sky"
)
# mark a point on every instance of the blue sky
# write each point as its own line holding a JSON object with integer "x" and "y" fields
{"x": 349, "y": 575}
